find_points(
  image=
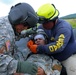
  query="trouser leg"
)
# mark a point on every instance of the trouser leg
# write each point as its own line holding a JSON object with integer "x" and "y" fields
{"x": 70, "y": 65}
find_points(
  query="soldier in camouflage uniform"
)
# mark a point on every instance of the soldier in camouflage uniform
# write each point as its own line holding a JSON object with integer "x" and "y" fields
{"x": 9, "y": 65}
{"x": 50, "y": 65}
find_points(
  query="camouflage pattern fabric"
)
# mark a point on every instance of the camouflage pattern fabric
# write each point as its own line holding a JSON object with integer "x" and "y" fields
{"x": 6, "y": 34}
{"x": 7, "y": 45}
{"x": 22, "y": 50}
{"x": 46, "y": 63}
{"x": 51, "y": 66}
{"x": 8, "y": 65}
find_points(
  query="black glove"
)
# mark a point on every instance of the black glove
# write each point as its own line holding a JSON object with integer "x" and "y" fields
{"x": 26, "y": 67}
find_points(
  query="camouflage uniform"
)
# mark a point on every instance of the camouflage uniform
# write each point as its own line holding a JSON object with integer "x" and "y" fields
{"x": 22, "y": 50}
{"x": 7, "y": 64}
{"x": 40, "y": 60}
{"x": 44, "y": 62}
{"x": 6, "y": 34}
{"x": 8, "y": 49}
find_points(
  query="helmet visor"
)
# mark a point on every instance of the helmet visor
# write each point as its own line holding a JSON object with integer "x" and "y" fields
{"x": 43, "y": 20}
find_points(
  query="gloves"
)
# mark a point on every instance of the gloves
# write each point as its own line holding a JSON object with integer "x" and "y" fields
{"x": 26, "y": 67}
{"x": 32, "y": 46}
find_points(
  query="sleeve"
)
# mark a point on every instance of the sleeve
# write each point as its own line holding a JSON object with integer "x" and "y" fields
{"x": 6, "y": 35}
{"x": 3, "y": 32}
{"x": 8, "y": 65}
{"x": 61, "y": 39}
{"x": 12, "y": 66}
